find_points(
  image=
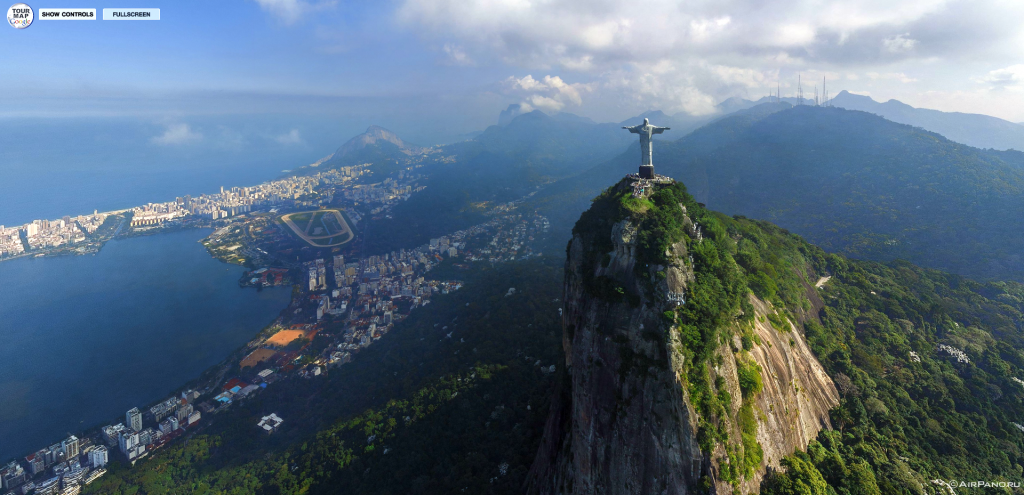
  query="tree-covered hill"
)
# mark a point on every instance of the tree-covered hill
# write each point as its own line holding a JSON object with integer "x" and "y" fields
{"x": 928, "y": 365}
{"x": 982, "y": 131}
{"x": 452, "y": 398}
{"x": 848, "y": 181}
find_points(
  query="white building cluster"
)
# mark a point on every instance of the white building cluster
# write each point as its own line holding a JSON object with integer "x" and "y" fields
{"x": 62, "y": 468}
{"x": 299, "y": 191}
{"x": 53, "y": 233}
{"x": 10, "y": 242}
{"x": 42, "y": 234}
{"x": 135, "y": 440}
{"x": 238, "y": 200}
{"x": 155, "y": 214}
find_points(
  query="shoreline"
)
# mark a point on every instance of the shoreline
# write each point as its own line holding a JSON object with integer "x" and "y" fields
{"x": 94, "y": 431}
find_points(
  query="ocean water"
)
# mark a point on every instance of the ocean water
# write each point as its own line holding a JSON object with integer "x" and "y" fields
{"x": 71, "y": 166}
{"x": 85, "y": 338}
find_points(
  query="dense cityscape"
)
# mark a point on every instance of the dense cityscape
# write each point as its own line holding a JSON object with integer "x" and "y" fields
{"x": 340, "y": 305}
{"x": 83, "y": 234}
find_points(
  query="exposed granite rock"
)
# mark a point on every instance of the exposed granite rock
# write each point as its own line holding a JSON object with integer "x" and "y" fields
{"x": 621, "y": 420}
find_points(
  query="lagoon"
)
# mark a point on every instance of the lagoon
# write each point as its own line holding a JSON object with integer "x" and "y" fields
{"x": 85, "y": 338}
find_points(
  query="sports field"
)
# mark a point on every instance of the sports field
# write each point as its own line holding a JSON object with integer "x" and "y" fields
{"x": 257, "y": 356}
{"x": 285, "y": 337}
{"x": 320, "y": 228}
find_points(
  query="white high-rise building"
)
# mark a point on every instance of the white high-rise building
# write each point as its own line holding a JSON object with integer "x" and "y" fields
{"x": 133, "y": 418}
{"x": 128, "y": 441}
{"x": 70, "y": 447}
{"x": 98, "y": 456}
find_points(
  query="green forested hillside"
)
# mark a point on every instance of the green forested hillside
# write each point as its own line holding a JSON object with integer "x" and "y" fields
{"x": 417, "y": 412}
{"x": 421, "y": 412}
{"x": 888, "y": 335}
{"x": 905, "y": 420}
{"x": 848, "y": 181}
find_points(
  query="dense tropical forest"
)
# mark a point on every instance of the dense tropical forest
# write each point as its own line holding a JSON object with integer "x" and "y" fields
{"x": 848, "y": 181}
{"x": 928, "y": 365}
{"x": 453, "y": 398}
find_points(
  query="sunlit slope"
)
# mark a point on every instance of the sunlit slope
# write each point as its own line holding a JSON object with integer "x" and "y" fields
{"x": 848, "y": 181}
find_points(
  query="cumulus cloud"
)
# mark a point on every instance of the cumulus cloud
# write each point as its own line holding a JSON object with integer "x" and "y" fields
{"x": 660, "y": 54}
{"x": 291, "y": 11}
{"x": 1007, "y": 77}
{"x": 550, "y": 33}
{"x": 899, "y": 43}
{"x": 290, "y": 137}
{"x": 455, "y": 55}
{"x": 177, "y": 134}
{"x": 549, "y": 93}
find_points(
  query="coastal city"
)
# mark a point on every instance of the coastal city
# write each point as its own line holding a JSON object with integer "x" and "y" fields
{"x": 341, "y": 304}
{"x": 85, "y": 233}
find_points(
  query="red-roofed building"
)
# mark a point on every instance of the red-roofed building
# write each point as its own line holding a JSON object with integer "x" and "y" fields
{"x": 234, "y": 382}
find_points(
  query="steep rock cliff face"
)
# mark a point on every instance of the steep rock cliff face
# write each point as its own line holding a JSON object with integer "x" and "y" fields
{"x": 622, "y": 420}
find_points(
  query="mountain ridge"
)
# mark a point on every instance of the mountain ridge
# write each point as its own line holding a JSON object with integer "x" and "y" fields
{"x": 980, "y": 131}
{"x": 847, "y": 180}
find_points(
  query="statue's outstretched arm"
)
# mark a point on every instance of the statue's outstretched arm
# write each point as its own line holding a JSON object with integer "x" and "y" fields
{"x": 634, "y": 130}
{"x": 659, "y": 130}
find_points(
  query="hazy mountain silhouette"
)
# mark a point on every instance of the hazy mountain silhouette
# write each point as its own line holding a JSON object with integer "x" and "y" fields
{"x": 981, "y": 131}
{"x": 848, "y": 181}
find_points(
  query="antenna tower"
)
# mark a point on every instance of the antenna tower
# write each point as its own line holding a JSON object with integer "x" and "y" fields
{"x": 799, "y": 91}
{"x": 824, "y": 92}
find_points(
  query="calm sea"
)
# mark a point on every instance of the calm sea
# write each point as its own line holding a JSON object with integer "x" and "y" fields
{"x": 85, "y": 338}
{"x": 55, "y": 167}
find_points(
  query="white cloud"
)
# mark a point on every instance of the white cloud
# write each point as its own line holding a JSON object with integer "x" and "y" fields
{"x": 1007, "y": 77}
{"x": 290, "y": 137}
{"x": 896, "y": 76}
{"x": 545, "y": 33}
{"x": 177, "y": 134}
{"x": 550, "y": 93}
{"x": 666, "y": 55}
{"x": 291, "y": 11}
{"x": 899, "y": 43}
{"x": 456, "y": 55}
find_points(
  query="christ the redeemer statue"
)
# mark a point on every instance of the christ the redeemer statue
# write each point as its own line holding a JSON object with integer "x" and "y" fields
{"x": 646, "y": 130}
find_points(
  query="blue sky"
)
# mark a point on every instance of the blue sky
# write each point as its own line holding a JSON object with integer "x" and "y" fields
{"x": 457, "y": 63}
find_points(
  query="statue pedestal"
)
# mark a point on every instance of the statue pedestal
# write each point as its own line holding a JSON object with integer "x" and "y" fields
{"x": 646, "y": 171}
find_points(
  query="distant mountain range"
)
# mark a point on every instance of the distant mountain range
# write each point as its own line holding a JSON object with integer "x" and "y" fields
{"x": 681, "y": 123}
{"x": 980, "y": 131}
{"x": 849, "y": 181}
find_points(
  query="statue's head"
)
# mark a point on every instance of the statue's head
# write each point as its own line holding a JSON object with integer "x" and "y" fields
{"x": 646, "y": 122}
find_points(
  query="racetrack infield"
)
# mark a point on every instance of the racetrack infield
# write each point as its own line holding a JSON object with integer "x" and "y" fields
{"x": 319, "y": 228}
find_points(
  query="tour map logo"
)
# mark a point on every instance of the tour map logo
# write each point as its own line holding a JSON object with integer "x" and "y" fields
{"x": 20, "y": 16}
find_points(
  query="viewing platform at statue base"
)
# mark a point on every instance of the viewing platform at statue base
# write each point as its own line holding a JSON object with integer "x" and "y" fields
{"x": 644, "y": 186}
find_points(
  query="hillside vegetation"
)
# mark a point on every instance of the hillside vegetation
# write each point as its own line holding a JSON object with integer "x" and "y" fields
{"x": 848, "y": 181}
{"x": 889, "y": 335}
{"x": 475, "y": 409}
{"x": 417, "y": 412}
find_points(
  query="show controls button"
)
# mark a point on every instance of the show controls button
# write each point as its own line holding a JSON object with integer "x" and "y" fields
{"x": 131, "y": 14}
{"x": 67, "y": 14}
